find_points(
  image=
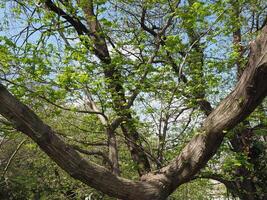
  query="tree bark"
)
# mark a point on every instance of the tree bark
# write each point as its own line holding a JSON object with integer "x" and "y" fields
{"x": 248, "y": 93}
{"x": 98, "y": 177}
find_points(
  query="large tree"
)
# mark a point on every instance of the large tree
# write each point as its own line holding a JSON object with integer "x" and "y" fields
{"x": 117, "y": 56}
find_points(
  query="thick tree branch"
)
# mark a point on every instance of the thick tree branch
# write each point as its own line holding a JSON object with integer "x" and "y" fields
{"x": 76, "y": 23}
{"x": 217, "y": 177}
{"x": 247, "y": 95}
{"x": 26, "y": 121}
{"x": 143, "y": 25}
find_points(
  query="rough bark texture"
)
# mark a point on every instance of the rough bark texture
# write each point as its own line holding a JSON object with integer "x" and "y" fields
{"x": 248, "y": 183}
{"x": 67, "y": 158}
{"x": 248, "y": 93}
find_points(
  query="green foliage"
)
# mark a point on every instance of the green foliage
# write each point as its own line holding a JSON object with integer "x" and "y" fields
{"x": 54, "y": 69}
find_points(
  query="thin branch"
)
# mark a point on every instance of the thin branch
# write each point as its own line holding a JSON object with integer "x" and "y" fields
{"x": 81, "y": 141}
{"x": 12, "y": 156}
{"x": 90, "y": 153}
{"x": 54, "y": 104}
{"x": 196, "y": 41}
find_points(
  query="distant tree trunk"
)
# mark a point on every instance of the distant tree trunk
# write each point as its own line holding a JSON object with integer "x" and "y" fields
{"x": 249, "y": 184}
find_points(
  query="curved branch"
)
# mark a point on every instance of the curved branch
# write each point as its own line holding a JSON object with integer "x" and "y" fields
{"x": 93, "y": 152}
{"x": 98, "y": 177}
{"x": 247, "y": 95}
{"x": 217, "y": 177}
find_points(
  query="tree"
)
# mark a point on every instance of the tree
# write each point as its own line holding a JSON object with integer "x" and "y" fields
{"x": 148, "y": 49}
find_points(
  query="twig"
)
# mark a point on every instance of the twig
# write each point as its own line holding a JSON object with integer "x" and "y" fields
{"x": 197, "y": 40}
{"x": 12, "y": 156}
